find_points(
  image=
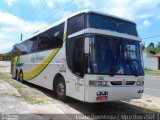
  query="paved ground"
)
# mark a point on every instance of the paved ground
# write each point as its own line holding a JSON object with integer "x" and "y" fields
{"x": 9, "y": 101}
{"x": 12, "y": 103}
{"x": 5, "y": 65}
{"x": 152, "y": 86}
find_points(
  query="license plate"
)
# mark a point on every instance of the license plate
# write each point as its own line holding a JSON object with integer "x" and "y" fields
{"x": 100, "y": 98}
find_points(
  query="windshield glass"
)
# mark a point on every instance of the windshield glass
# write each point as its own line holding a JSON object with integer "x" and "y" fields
{"x": 112, "y": 55}
{"x": 108, "y": 23}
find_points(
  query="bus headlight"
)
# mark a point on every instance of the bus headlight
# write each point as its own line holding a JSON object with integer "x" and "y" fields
{"x": 92, "y": 82}
{"x": 140, "y": 82}
{"x": 98, "y": 83}
{"x": 102, "y": 83}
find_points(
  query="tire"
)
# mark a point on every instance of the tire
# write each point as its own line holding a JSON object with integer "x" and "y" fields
{"x": 16, "y": 75}
{"x": 21, "y": 77}
{"x": 60, "y": 89}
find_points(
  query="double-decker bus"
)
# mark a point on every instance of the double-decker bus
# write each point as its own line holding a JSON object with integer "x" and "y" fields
{"x": 89, "y": 56}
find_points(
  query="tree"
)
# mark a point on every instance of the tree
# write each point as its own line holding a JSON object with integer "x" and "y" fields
{"x": 158, "y": 46}
{"x": 142, "y": 46}
{"x": 151, "y": 48}
{"x": 151, "y": 45}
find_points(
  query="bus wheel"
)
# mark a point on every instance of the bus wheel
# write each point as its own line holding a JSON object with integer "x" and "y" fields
{"x": 60, "y": 89}
{"x": 16, "y": 75}
{"x": 21, "y": 76}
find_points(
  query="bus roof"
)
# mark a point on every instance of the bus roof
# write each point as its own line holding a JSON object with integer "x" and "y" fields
{"x": 101, "y": 13}
{"x": 74, "y": 14}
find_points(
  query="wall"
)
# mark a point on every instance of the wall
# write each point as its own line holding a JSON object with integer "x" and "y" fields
{"x": 150, "y": 61}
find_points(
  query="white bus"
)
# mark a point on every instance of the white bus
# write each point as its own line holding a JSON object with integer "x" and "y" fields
{"x": 89, "y": 56}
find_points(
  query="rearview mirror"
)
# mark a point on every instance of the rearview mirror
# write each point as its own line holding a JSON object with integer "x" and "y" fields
{"x": 86, "y": 45}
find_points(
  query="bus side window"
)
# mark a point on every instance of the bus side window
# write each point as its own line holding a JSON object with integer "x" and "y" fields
{"x": 76, "y": 24}
{"x": 51, "y": 39}
{"x": 34, "y": 47}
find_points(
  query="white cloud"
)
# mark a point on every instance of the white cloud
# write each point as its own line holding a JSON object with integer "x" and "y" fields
{"x": 130, "y": 9}
{"x": 10, "y": 2}
{"x": 62, "y": 1}
{"x": 12, "y": 27}
{"x": 6, "y": 46}
{"x": 34, "y": 2}
{"x": 87, "y": 3}
{"x": 144, "y": 16}
{"x": 146, "y": 23}
{"x": 83, "y": 3}
{"x": 50, "y": 3}
{"x": 63, "y": 14}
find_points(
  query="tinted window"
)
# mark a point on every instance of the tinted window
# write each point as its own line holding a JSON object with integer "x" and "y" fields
{"x": 52, "y": 38}
{"x": 70, "y": 46}
{"x": 75, "y": 24}
{"x": 113, "y": 24}
{"x": 33, "y": 44}
{"x": 75, "y": 55}
{"x": 25, "y": 47}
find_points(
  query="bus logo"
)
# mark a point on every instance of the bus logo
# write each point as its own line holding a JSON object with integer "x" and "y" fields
{"x": 100, "y": 78}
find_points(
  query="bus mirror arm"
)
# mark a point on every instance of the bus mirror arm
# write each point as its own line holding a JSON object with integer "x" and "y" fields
{"x": 86, "y": 63}
{"x": 86, "y": 45}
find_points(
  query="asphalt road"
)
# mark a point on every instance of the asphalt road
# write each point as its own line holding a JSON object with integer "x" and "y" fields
{"x": 152, "y": 86}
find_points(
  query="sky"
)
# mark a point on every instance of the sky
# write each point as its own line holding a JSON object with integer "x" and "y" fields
{"x": 30, "y": 16}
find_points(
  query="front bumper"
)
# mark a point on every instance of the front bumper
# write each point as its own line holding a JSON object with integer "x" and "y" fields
{"x": 113, "y": 93}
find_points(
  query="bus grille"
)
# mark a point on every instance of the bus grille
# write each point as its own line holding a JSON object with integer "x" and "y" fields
{"x": 130, "y": 82}
{"x": 116, "y": 82}
{"x": 120, "y": 83}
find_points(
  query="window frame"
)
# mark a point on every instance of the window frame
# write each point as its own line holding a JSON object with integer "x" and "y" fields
{"x": 84, "y": 23}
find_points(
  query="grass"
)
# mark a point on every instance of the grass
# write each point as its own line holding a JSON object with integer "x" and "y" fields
{"x": 2, "y": 76}
{"x": 151, "y": 72}
{"x": 32, "y": 100}
{"x": 22, "y": 90}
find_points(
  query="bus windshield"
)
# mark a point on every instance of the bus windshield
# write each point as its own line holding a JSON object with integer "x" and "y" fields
{"x": 108, "y": 23}
{"x": 114, "y": 56}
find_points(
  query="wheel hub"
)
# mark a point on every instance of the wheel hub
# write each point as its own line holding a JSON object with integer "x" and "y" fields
{"x": 60, "y": 89}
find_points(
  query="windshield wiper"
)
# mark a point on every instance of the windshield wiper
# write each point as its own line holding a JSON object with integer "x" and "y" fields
{"x": 113, "y": 67}
{"x": 135, "y": 68}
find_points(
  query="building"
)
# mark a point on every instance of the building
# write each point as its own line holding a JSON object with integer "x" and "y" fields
{"x": 151, "y": 61}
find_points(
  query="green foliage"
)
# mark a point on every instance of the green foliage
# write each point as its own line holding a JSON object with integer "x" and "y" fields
{"x": 5, "y": 57}
{"x": 151, "y": 45}
{"x": 158, "y": 46}
{"x": 151, "y": 48}
{"x": 142, "y": 46}
{"x": 151, "y": 72}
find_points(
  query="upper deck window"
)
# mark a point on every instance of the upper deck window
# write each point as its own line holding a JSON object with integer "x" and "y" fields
{"x": 76, "y": 24}
{"x": 108, "y": 23}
